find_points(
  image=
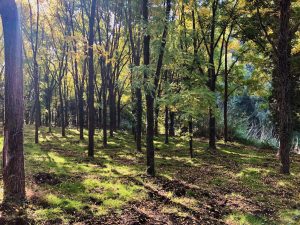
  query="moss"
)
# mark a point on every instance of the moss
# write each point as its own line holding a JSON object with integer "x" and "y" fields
{"x": 290, "y": 217}
{"x": 246, "y": 219}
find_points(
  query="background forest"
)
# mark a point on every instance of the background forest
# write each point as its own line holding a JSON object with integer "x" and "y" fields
{"x": 55, "y": 38}
{"x": 196, "y": 85}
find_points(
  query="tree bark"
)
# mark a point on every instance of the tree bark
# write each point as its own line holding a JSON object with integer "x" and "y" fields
{"x": 172, "y": 124}
{"x": 212, "y": 79}
{"x": 191, "y": 138}
{"x": 226, "y": 93}
{"x": 149, "y": 94}
{"x": 160, "y": 63}
{"x": 166, "y": 125}
{"x": 284, "y": 87}
{"x": 91, "y": 78}
{"x": 13, "y": 156}
{"x": 112, "y": 109}
{"x": 34, "y": 46}
{"x": 104, "y": 113}
{"x": 138, "y": 109}
{"x": 62, "y": 114}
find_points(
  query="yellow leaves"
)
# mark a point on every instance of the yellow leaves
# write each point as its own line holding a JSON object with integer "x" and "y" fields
{"x": 242, "y": 4}
{"x": 204, "y": 12}
{"x": 234, "y": 45}
{"x": 296, "y": 48}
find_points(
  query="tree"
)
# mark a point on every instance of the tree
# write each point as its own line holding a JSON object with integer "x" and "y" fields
{"x": 136, "y": 55}
{"x": 13, "y": 156}
{"x": 34, "y": 40}
{"x": 283, "y": 86}
{"x": 149, "y": 92}
{"x": 160, "y": 62}
{"x": 91, "y": 78}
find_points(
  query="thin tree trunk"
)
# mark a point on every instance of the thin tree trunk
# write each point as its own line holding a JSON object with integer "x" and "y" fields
{"x": 191, "y": 138}
{"x": 226, "y": 94}
{"x": 119, "y": 112}
{"x": 212, "y": 79}
{"x": 104, "y": 117}
{"x": 49, "y": 116}
{"x": 34, "y": 45}
{"x": 112, "y": 110}
{"x": 172, "y": 124}
{"x": 166, "y": 125}
{"x": 156, "y": 132}
{"x": 149, "y": 95}
{"x": 62, "y": 115}
{"x": 138, "y": 108}
{"x": 91, "y": 86}
{"x": 139, "y": 120}
{"x": 100, "y": 117}
{"x": 81, "y": 114}
{"x": 160, "y": 63}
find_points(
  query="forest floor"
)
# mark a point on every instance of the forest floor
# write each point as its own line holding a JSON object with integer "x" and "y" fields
{"x": 237, "y": 185}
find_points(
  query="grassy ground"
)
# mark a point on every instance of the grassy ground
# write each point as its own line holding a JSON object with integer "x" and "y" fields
{"x": 237, "y": 185}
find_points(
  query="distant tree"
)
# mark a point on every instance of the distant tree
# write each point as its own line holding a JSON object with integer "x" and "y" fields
{"x": 34, "y": 40}
{"x": 136, "y": 55}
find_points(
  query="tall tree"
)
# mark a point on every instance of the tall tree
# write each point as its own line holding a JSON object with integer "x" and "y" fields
{"x": 135, "y": 52}
{"x": 160, "y": 62}
{"x": 91, "y": 78}
{"x": 34, "y": 40}
{"x": 283, "y": 86}
{"x": 149, "y": 92}
{"x": 13, "y": 156}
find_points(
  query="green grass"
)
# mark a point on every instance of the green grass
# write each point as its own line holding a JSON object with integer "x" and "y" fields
{"x": 243, "y": 177}
{"x": 245, "y": 219}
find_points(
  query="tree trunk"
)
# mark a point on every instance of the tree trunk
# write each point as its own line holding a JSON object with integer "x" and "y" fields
{"x": 13, "y": 156}
{"x": 100, "y": 117}
{"x": 149, "y": 95}
{"x": 112, "y": 110}
{"x": 160, "y": 62}
{"x": 49, "y": 115}
{"x": 212, "y": 79}
{"x": 138, "y": 108}
{"x": 119, "y": 113}
{"x": 104, "y": 117}
{"x": 172, "y": 124}
{"x": 81, "y": 113}
{"x": 91, "y": 78}
{"x": 139, "y": 116}
{"x": 284, "y": 87}
{"x": 166, "y": 125}
{"x": 156, "y": 132}
{"x": 62, "y": 115}
{"x": 226, "y": 94}
{"x": 191, "y": 138}
{"x": 66, "y": 108}
{"x": 34, "y": 37}
{"x": 37, "y": 102}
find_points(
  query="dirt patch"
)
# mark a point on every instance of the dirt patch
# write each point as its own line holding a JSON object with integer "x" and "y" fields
{"x": 46, "y": 178}
{"x": 14, "y": 215}
{"x": 147, "y": 213}
{"x": 176, "y": 187}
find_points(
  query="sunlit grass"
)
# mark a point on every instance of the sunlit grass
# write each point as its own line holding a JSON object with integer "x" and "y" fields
{"x": 245, "y": 219}
{"x": 112, "y": 180}
{"x": 290, "y": 217}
